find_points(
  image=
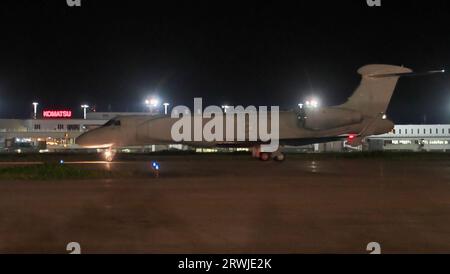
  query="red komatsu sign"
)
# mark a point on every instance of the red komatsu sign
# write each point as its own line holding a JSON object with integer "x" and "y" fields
{"x": 57, "y": 114}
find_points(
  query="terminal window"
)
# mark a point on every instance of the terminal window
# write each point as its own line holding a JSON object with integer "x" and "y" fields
{"x": 73, "y": 127}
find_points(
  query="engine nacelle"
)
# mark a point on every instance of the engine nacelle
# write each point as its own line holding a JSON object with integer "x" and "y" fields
{"x": 328, "y": 118}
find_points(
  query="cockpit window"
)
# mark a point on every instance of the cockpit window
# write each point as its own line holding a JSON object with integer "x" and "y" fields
{"x": 112, "y": 122}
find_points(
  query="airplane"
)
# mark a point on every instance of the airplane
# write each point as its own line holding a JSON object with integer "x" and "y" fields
{"x": 362, "y": 115}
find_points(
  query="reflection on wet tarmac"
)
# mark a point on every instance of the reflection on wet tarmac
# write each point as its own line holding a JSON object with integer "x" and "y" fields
{"x": 313, "y": 166}
{"x": 235, "y": 204}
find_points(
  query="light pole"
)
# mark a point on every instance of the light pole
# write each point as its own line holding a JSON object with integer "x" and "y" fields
{"x": 84, "y": 107}
{"x": 35, "y": 105}
{"x": 225, "y": 107}
{"x": 166, "y": 105}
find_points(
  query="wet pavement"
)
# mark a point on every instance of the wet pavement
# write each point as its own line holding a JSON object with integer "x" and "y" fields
{"x": 235, "y": 204}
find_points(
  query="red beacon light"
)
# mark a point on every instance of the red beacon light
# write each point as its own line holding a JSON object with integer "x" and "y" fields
{"x": 351, "y": 137}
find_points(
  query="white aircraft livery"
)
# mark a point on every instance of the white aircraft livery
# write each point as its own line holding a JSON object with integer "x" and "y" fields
{"x": 362, "y": 115}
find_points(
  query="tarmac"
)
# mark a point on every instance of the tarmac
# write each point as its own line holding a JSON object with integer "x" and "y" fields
{"x": 234, "y": 204}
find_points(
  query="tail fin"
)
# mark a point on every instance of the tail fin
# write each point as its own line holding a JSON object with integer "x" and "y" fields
{"x": 373, "y": 94}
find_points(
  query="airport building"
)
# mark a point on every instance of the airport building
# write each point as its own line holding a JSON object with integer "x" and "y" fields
{"x": 56, "y": 130}
{"x": 413, "y": 138}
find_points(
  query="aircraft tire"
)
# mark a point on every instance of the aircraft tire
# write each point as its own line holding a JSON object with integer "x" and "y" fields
{"x": 279, "y": 158}
{"x": 264, "y": 156}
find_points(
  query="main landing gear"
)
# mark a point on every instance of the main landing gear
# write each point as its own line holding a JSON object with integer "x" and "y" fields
{"x": 109, "y": 154}
{"x": 266, "y": 156}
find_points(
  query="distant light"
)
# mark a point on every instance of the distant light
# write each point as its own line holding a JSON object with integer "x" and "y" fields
{"x": 61, "y": 162}
{"x": 300, "y": 105}
{"x": 351, "y": 136}
{"x": 384, "y": 117}
{"x": 311, "y": 103}
{"x": 155, "y": 166}
{"x": 152, "y": 102}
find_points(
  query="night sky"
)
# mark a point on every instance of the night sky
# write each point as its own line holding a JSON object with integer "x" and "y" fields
{"x": 112, "y": 54}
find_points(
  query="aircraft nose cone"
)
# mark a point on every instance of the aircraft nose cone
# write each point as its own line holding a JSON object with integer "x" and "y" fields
{"x": 81, "y": 140}
{"x": 96, "y": 138}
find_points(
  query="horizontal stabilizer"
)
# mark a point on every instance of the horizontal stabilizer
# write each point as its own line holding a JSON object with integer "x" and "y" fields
{"x": 407, "y": 74}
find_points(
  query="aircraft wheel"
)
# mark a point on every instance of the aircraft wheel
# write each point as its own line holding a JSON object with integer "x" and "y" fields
{"x": 264, "y": 156}
{"x": 280, "y": 157}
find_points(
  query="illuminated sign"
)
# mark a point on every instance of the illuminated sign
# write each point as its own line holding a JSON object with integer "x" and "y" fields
{"x": 57, "y": 114}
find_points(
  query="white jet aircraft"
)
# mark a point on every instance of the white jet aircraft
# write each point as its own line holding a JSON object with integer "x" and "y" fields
{"x": 362, "y": 115}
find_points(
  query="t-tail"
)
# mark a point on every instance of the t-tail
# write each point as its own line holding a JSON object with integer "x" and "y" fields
{"x": 378, "y": 83}
{"x": 374, "y": 93}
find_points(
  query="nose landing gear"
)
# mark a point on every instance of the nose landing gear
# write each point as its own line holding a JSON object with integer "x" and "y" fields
{"x": 109, "y": 154}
